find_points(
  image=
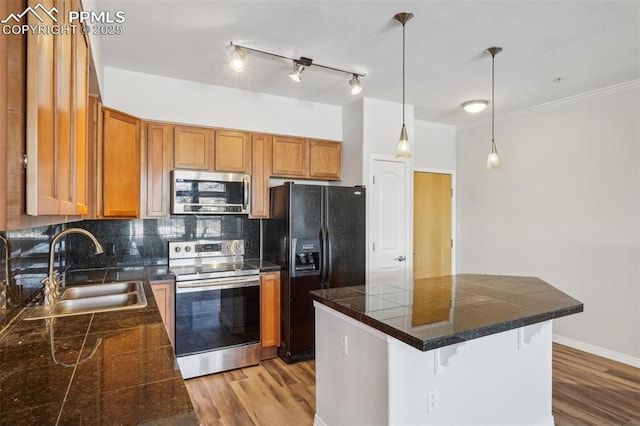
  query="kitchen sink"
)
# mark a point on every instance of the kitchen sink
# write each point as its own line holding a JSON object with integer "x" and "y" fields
{"x": 84, "y": 291}
{"x": 89, "y": 299}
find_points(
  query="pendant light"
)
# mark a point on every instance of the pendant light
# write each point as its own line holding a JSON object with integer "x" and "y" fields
{"x": 404, "y": 148}
{"x": 493, "y": 161}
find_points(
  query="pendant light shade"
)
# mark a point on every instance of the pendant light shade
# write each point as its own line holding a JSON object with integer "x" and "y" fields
{"x": 493, "y": 161}
{"x": 404, "y": 148}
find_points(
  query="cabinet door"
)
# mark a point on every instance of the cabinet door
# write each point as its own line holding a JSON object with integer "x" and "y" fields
{"x": 41, "y": 190}
{"x": 159, "y": 150}
{"x": 80, "y": 107}
{"x": 289, "y": 157}
{"x": 270, "y": 309}
{"x": 260, "y": 171}
{"x": 163, "y": 292}
{"x": 193, "y": 148}
{"x": 325, "y": 159}
{"x": 232, "y": 151}
{"x": 121, "y": 164}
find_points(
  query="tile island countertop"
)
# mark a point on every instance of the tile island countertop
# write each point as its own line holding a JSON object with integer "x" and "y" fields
{"x": 442, "y": 311}
{"x": 103, "y": 368}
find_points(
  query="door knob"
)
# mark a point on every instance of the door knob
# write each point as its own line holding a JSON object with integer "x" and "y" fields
{"x": 401, "y": 258}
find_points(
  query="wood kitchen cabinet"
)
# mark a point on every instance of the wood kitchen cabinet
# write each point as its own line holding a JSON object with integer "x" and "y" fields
{"x": 193, "y": 147}
{"x": 80, "y": 107}
{"x": 270, "y": 310}
{"x": 260, "y": 171}
{"x": 159, "y": 162}
{"x": 325, "y": 159}
{"x": 232, "y": 151}
{"x": 289, "y": 157}
{"x": 121, "y": 152}
{"x": 164, "y": 293}
{"x": 306, "y": 159}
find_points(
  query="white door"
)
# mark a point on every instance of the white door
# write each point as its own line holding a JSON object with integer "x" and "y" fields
{"x": 388, "y": 256}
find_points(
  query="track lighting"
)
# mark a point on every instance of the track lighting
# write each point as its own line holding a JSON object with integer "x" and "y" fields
{"x": 237, "y": 59}
{"x": 295, "y": 75}
{"x": 355, "y": 85}
{"x": 299, "y": 65}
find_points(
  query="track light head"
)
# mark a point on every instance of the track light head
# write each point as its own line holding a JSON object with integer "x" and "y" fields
{"x": 356, "y": 86}
{"x": 295, "y": 75}
{"x": 237, "y": 59}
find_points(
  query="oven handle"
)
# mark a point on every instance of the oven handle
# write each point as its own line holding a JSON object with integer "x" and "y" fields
{"x": 223, "y": 284}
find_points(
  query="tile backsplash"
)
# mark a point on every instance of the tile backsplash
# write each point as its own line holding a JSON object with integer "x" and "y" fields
{"x": 126, "y": 242}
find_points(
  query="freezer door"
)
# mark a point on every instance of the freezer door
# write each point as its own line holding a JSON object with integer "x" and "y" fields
{"x": 345, "y": 236}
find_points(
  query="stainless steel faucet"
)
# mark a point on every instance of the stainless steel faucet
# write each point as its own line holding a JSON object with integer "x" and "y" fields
{"x": 50, "y": 282}
{"x": 4, "y": 285}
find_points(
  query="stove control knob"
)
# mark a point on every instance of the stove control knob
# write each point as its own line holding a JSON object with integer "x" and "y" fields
{"x": 177, "y": 249}
{"x": 187, "y": 249}
{"x": 234, "y": 247}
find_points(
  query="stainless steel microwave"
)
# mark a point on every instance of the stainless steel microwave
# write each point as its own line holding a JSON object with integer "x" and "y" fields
{"x": 195, "y": 192}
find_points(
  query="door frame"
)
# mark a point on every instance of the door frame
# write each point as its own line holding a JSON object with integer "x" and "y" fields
{"x": 453, "y": 210}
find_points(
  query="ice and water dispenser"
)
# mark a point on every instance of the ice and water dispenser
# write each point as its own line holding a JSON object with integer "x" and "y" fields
{"x": 306, "y": 256}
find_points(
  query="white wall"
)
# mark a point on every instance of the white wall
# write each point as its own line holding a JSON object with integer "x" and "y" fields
{"x": 352, "y": 143}
{"x": 434, "y": 146}
{"x": 167, "y": 99}
{"x": 565, "y": 207}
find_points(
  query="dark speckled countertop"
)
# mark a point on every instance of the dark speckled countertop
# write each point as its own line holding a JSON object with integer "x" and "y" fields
{"x": 105, "y": 368}
{"x": 446, "y": 310}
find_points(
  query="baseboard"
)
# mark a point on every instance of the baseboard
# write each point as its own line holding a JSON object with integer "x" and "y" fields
{"x": 317, "y": 421}
{"x": 596, "y": 350}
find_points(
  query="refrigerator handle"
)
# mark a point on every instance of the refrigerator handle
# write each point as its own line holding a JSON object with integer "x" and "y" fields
{"x": 327, "y": 263}
{"x": 323, "y": 256}
{"x": 292, "y": 256}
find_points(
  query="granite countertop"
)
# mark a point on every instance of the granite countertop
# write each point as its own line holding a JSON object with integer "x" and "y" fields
{"x": 104, "y": 368}
{"x": 446, "y": 310}
{"x": 263, "y": 265}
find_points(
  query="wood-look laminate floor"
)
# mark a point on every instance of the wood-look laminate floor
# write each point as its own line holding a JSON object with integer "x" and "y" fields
{"x": 587, "y": 390}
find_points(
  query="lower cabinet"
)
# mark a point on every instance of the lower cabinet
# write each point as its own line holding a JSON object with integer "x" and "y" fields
{"x": 269, "y": 313}
{"x": 164, "y": 293}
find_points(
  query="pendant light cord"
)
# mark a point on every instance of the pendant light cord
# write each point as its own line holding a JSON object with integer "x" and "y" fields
{"x": 493, "y": 104}
{"x": 403, "y": 55}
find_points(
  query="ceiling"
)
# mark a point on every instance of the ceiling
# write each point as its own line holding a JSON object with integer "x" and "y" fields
{"x": 589, "y": 44}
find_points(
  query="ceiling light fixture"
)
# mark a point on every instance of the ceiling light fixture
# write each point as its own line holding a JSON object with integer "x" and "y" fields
{"x": 493, "y": 162}
{"x": 299, "y": 64}
{"x": 404, "y": 148}
{"x": 355, "y": 85}
{"x": 475, "y": 106}
{"x": 237, "y": 59}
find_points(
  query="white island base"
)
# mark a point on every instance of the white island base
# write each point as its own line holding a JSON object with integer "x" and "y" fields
{"x": 366, "y": 377}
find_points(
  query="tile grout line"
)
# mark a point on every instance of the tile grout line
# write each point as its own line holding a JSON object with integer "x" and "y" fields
{"x": 73, "y": 374}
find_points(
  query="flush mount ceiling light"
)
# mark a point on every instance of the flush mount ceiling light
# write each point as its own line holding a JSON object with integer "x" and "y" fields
{"x": 475, "y": 106}
{"x": 493, "y": 162}
{"x": 299, "y": 65}
{"x": 404, "y": 148}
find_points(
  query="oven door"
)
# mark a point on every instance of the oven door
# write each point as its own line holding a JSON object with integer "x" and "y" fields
{"x": 217, "y": 314}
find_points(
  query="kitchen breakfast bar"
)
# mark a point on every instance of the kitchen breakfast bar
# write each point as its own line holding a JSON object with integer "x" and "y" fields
{"x": 462, "y": 349}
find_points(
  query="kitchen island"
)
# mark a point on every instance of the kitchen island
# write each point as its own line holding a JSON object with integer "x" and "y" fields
{"x": 102, "y": 368}
{"x": 462, "y": 349}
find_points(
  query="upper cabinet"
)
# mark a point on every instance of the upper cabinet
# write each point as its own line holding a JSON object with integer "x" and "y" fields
{"x": 56, "y": 100}
{"x": 121, "y": 152}
{"x": 325, "y": 159}
{"x": 193, "y": 147}
{"x": 159, "y": 161}
{"x": 306, "y": 159}
{"x": 260, "y": 171}
{"x": 232, "y": 151}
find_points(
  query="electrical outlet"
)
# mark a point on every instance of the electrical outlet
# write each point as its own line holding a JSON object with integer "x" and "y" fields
{"x": 344, "y": 344}
{"x": 432, "y": 400}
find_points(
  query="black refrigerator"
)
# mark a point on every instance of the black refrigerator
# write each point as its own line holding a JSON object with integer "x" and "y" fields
{"x": 317, "y": 234}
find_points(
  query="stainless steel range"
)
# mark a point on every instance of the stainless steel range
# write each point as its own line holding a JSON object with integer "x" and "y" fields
{"x": 217, "y": 306}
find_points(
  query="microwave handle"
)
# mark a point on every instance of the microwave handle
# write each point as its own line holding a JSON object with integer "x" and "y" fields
{"x": 245, "y": 187}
